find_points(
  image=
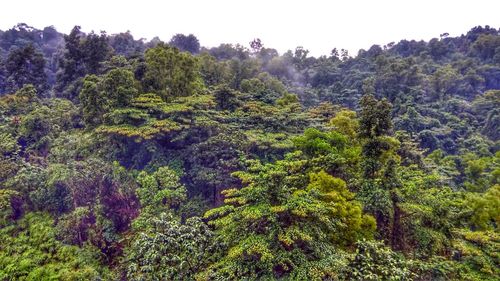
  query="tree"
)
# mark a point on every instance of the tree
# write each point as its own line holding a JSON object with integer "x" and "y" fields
{"x": 71, "y": 65}
{"x": 170, "y": 73}
{"x": 11, "y": 207}
{"x": 300, "y": 57}
{"x": 125, "y": 45}
{"x": 375, "y": 123}
{"x": 264, "y": 88}
{"x": 379, "y": 188}
{"x": 119, "y": 87}
{"x": 256, "y": 45}
{"x": 30, "y": 250}
{"x": 296, "y": 224}
{"x": 226, "y": 98}
{"x": 229, "y": 51}
{"x": 211, "y": 163}
{"x": 28, "y": 92}
{"x": 171, "y": 250}
{"x": 83, "y": 55}
{"x": 23, "y": 66}
{"x": 94, "y": 102}
{"x": 375, "y": 117}
{"x": 45, "y": 122}
{"x": 486, "y": 46}
{"x": 485, "y": 208}
{"x": 314, "y": 142}
{"x": 212, "y": 71}
{"x": 185, "y": 43}
{"x": 374, "y": 261}
{"x": 160, "y": 191}
{"x": 100, "y": 95}
{"x": 346, "y": 123}
{"x": 95, "y": 49}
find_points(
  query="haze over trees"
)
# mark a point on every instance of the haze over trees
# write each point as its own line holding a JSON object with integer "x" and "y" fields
{"x": 122, "y": 159}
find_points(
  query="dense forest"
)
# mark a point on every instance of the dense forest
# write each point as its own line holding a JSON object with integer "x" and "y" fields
{"x": 127, "y": 159}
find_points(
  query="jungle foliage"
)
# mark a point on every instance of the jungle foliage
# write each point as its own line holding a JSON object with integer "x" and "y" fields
{"x": 122, "y": 159}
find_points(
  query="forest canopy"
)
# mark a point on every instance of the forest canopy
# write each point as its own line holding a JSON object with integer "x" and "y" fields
{"x": 127, "y": 159}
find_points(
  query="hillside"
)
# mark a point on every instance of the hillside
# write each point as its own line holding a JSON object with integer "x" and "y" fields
{"x": 126, "y": 159}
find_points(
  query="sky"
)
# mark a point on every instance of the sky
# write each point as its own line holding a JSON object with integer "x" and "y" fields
{"x": 318, "y": 26}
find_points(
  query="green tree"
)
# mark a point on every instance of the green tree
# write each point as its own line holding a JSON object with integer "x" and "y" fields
{"x": 264, "y": 88}
{"x": 226, "y": 98}
{"x": 30, "y": 251}
{"x": 100, "y": 95}
{"x": 25, "y": 65}
{"x": 160, "y": 191}
{"x": 94, "y": 102}
{"x": 346, "y": 123}
{"x": 170, "y": 250}
{"x": 212, "y": 71}
{"x": 71, "y": 65}
{"x": 375, "y": 117}
{"x": 296, "y": 225}
{"x": 171, "y": 73}
{"x": 95, "y": 49}
{"x": 374, "y": 261}
{"x": 380, "y": 182}
{"x": 185, "y": 43}
{"x": 83, "y": 55}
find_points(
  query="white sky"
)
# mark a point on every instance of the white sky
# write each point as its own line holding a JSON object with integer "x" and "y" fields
{"x": 317, "y": 25}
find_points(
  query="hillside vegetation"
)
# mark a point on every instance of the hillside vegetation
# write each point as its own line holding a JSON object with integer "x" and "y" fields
{"x": 122, "y": 159}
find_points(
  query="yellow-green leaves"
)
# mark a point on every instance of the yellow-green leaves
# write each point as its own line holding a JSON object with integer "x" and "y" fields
{"x": 285, "y": 217}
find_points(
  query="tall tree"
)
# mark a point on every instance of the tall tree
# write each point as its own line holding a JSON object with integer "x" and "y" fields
{"x": 25, "y": 65}
{"x": 185, "y": 43}
{"x": 71, "y": 65}
{"x": 171, "y": 73}
{"x": 379, "y": 190}
{"x": 296, "y": 224}
{"x": 101, "y": 94}
{"x": 83, "y": 55}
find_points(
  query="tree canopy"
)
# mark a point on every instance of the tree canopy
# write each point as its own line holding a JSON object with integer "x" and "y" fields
{"x": 127, "y": 159}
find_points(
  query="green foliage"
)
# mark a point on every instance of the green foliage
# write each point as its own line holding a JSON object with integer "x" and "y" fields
{"x": 28, "y": 91}
{"x": 10, "y": 207}
{"x": 264, "y": 88}
{"x": 374, "y": 261}
{"x": 346, "y": 123}
{"x": 119, "y": 87}
{"x": 83, "y": 54}
{"x": 160, "y": 191}
{"x": 185, "y": 43}
{"x": 30, "y": 251}
{"x": 25, "y": 66}
{"x": 212, "y": 163}
{"x": 170, "y": 250}
{"x": 316, "y": 143}
{"x": 375, "y": 118}
{"x": 268, "y": 145}
{"x": 13, "y": 105}
{"x": 478, "y": 252}
{"x": 170, "y": 73}
{"x": 226, "y": 98}
{"x": 290, "y": 220}
{"x": 486, "y": 106}
{"x": 486, "y": 46}
{"x": 140, "y": 122}
{"x": 294, "y": 160}
{"x": 8, "y": 145}
{"x": 486, "y": 208}
{"x": 212, "y": 71}
{"x": 44, "y": 123}
{"x": 100, "y": 95}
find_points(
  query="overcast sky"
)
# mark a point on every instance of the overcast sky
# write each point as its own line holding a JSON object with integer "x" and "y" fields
{"x": 317, "y": 25}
